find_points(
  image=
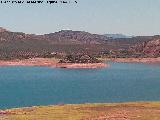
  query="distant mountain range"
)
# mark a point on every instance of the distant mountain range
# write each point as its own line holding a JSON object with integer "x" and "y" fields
{"x": 21, "y": 45}
{"x": 115, "y": 36}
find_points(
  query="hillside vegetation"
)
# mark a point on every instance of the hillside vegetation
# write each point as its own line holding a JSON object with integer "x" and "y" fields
{"x": 18, "y": 45}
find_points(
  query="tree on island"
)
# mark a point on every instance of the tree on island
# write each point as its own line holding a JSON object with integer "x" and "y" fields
{"x": 79, "y": 59}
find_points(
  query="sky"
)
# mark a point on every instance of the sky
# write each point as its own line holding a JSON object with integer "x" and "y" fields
{"x": 130, "y": 17}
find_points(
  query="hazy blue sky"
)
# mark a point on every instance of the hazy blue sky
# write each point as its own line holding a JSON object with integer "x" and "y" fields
{"x": 131, "y": 17}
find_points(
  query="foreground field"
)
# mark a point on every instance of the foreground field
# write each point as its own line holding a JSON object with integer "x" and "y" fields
{"x": 121, "y": 111}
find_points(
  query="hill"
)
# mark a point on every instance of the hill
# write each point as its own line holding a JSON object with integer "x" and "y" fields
{"x": 19, "y": 45}
{"x": 149, "y": 48}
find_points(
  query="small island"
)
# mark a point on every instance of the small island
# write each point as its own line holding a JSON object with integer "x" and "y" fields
{"x": 80, "y": 61}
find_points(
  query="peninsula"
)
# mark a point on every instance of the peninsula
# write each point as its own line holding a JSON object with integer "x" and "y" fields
{"x": 68, "y": 62}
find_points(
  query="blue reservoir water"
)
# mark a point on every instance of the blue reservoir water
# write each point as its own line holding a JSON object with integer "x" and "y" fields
{"x": 121, "y": 82}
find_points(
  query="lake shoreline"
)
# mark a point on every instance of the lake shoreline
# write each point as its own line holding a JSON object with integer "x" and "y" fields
{"x": 138, "y": 60}
{"x": 52, "y": 62}
{"x": 49, "y": 62}
{"x": 82, "y": 65}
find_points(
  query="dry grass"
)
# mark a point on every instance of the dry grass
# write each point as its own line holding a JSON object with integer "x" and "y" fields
{"x": 121, "y": 111}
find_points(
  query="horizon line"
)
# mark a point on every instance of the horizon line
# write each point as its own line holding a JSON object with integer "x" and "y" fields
{"x": 114, "y": 33}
